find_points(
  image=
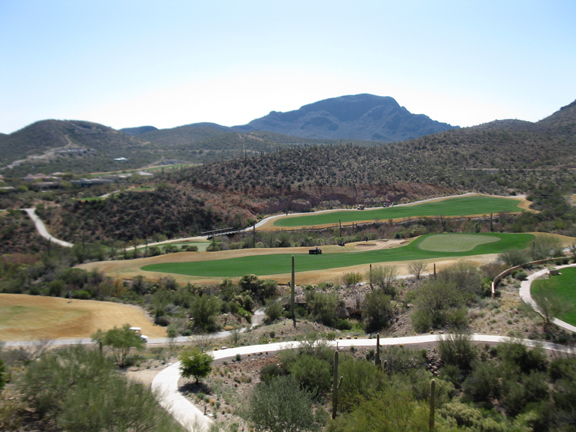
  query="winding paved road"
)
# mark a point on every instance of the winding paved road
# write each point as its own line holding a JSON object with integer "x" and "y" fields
{"x": 193, "y": 419}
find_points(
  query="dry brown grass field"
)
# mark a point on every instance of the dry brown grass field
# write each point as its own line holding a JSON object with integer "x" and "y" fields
{"x": 25, "y": 317}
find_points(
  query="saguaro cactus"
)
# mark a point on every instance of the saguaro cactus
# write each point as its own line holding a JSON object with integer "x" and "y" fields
{"x": 432, "y": 405}
{"x": 292, "y": 292}
{"x": 335, "y": 386}
{"x": 377, "y": 361}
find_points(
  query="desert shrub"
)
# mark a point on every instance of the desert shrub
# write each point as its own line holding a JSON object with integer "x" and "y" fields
{"x": 352, "y": 278}
{"x": 204, "y": 310}
{"x": 433, "y": 303}
{"x": 280, "y": 405}
{"x": 161, "y": 321}
{"x": 402, "y": 360}
{"x": 384, "y": 278}
{"x": 545, "y": 246}
{"x": 483, "y": 384}
{"x": 562, "y": 368}
{"x": 56, "y": 288}
{"x": 417, "y": 268}
{"x": 154, "y": 251}
{"x": 258, "y": 289}
{"x": 492, "y": 270}
{"x": 393, "y": 410}
{"x": 117, "y": 404}
{"x": 312, "y": 373}
{"x": 513, "y": 257}
{"x": 322, "y": 307}
{"x": 47, "y": 381}
{"x": 517, "y": 355}
{"x": 521, "y": 276}
{"x": 192, "y": 248}
{"x": 81, "y": 294}
{"x": 377, "y": 311}
{"x": 361, "y": 379}
{"x": 519, "y": 391}
{"x": 344, "y": 324}
{"x": 271, "y": 371}
{"x": 274, "y": 310}
{"x": 120, "y": 341}
{"x": 195, "y": 363}
{"x": 171, "y": 249}
{"x": 457, "y": 349}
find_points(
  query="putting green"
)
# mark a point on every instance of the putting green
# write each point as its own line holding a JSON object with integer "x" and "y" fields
{"x": 459, "y": 206}
{"x": 275, "y": 264}
{"x": 454, "y": 242}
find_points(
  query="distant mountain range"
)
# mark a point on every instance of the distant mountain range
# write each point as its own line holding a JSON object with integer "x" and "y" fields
{"x": 362, "y": 117}
{"x": 359, "y": 117}
{"x": 366, "y": 120}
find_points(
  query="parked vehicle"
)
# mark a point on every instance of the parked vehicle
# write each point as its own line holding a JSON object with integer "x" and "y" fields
{"x": 138, "y": 332}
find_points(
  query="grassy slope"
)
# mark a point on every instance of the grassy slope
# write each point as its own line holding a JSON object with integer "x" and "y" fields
{"x": 281, "y": 263}
{"x": 461, "y": 206}
{"x": 565, "y": 285}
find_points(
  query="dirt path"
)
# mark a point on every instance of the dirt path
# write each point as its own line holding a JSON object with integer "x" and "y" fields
{"x": 42, "y": 228}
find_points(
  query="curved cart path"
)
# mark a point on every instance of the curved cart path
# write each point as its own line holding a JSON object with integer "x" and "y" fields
{"x": 527, "y": 297}
{"x": 193, "y": 419}
{"x": 42, "y": 228}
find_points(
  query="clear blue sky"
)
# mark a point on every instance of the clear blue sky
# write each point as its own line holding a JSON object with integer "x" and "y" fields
{"x": 167, "y": 63}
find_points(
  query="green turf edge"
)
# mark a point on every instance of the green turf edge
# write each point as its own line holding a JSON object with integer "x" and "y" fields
{"x": 565, "y": 286}
{"x": 262, "y": 265}
{"x": 458, "y": 206}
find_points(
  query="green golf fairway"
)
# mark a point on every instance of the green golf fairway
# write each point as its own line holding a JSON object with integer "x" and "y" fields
{"x": 261, "y": 265}
{"x": 459, "y": 206}
{"x": 564, "y": 286}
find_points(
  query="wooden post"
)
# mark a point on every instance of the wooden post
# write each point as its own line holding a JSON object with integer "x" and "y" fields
{"x": 292, "y": 305}
{"x": 254, "y": 236}
{"x": 377, "y": 361}
{"x": 434, "y": 270}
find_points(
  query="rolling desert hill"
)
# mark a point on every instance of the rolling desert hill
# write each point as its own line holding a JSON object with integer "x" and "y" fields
{"x": 64, "y": 139}
{"x": 138, "y": 130}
